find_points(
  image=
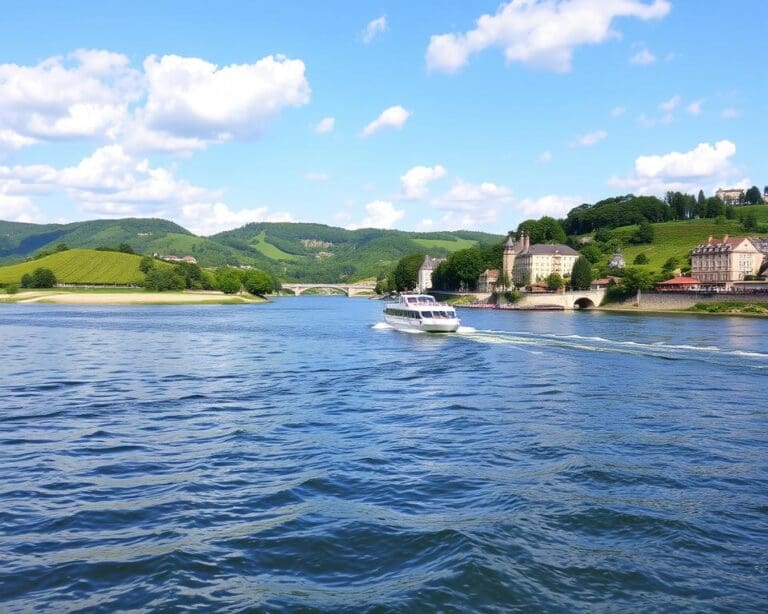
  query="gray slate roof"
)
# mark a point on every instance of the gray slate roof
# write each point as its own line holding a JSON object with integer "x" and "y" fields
{"x": 550, "y": 249}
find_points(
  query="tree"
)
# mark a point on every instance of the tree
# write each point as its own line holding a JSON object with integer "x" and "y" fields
{"x": 753, "y": 196}
{"x": 125, "y": 248}
{"x": 146, "y": 264}
{"x": 503, "y": 282}
{"x": 581, "y": 275}
{"x": 641, "y": 258}
{"x": 257, "y": 282}
{"x": 668, "y": 268}
{"x": 554, "y": 281}
{"x": 61, "y": 247}
{"x": 39, "y": 278}
{"x": 592, "y": 253}
{"x": 228, "y": 280}
{"x": 749, "y": 222}
{"x": 524, "y": 280}
{"x": 194, "y": 277}
{"x": 644, "y": 233}
{"x": 466, "y": 266}
{"x": 160, "y": 280}
{"x": 544, "y": 230}
{"x": 634, "y": 279}
{"x": 701, "y": 198}
{"x": 407, "y": 271}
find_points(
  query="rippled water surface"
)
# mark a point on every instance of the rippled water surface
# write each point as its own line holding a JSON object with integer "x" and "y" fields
{"x": 294, "y": 455}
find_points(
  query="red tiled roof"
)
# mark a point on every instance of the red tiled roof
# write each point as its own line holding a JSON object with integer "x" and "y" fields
{"x": 679, "y": 281}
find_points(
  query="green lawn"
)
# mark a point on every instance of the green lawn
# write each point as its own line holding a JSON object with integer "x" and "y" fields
{"x": 677, "y": 239}
{"x": 449, "y": 246}
{"x": 82, "y": 266}
{"x": 270, "y": 251}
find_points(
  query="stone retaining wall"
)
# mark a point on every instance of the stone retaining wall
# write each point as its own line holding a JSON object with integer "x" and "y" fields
{"x": 686, "y": 300}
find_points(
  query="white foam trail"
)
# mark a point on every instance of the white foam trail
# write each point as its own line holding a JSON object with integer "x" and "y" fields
{"x": 381, "y": 326}
{"x": 466, "y": 330}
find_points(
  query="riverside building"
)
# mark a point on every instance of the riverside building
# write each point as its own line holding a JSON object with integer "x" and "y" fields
{"x": 425, "y": 273}
{"x": 526, "y": 263}
{"x": 720, "y": 262}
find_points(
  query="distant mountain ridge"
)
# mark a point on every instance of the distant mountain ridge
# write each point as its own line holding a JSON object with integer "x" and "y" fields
{"x": 292, "y": 251}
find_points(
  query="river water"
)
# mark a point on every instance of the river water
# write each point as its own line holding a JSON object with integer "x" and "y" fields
{"x": 297, "y": 456}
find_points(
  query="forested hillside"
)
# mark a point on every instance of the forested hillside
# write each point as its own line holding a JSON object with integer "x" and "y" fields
{"x": 292, "y": 252}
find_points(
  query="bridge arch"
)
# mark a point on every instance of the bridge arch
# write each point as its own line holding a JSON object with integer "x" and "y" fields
{"x": 583, "y": 303}
{"x": 329, "y": 289}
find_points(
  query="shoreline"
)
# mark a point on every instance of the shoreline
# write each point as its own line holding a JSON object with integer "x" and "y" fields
{"x": 57, "y": 297}
{"x": 682, "y": 312}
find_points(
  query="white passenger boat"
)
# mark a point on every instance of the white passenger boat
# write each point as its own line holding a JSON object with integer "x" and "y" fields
{"x": 421, "y": 312}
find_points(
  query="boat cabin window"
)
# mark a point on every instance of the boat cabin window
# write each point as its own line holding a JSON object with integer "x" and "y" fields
{"x": 426, "y": 314}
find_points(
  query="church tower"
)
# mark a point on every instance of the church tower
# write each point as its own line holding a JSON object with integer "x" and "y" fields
{"x": 508, "y": 258}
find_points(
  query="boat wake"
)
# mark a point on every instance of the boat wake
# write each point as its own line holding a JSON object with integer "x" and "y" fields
{"x": 661, "y": 350}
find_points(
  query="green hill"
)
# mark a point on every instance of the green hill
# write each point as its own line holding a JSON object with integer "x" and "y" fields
{"x": 145, "y": 236}
{"x": 315, "y": 252}
{"x": 292, "y": 252}
{"x": 82, "y": 266}
{"x": 677, "y": 239}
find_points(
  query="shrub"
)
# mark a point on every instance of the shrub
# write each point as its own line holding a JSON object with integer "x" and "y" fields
{"x": 644, "y": 233}
{"x": 554, "y": 281}
{"x": 146, "y": 264}
{"x": 12, "y": 288}
{"x": 641, "y": 259}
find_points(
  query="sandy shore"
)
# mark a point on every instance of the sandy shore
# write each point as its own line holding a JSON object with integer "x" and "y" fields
{"x": 129, "y": 298}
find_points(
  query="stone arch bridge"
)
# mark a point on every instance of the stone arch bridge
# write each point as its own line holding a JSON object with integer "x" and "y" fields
{"x": 571, "y": 299}
{"x": 358, "y": 289}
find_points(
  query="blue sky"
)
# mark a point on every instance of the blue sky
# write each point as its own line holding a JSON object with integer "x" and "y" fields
{"x": 438, "y": 115}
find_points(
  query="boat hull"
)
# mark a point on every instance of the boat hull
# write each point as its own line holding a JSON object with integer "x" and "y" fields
{"x": 427, "y": 326}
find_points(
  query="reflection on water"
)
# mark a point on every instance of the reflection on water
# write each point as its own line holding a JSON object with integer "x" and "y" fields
{"x": 299, "y": 454}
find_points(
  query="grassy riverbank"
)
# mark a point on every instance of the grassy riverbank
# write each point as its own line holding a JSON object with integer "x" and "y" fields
{"x": 126, "y": 297}
{"x": 730, "y": 308}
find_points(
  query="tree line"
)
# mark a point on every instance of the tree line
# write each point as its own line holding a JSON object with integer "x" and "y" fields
{"x": 185, "y": 275}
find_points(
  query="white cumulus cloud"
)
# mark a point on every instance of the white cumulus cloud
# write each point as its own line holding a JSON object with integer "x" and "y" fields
{"x": 380, "y": 214}
{"x": 702, "y": 166}
{"x": 554, "y": 205}
{"x": 189, "y": 97}
{"x": 19, "y": 209}
{"x": 112, "y": 183}
{"x": 472, "y": 205}
{"x": 543, "y": 34}
{"x": 82, "y": 95}
{"x": 173, "y": 103}
{"x": 392, "y": 117}
{"x": 730, "y": 113}
{"x": 415, "y": 181}
{"x": 325, "y": 125}
{"x": 374, "y": 28}
{"x": 210, "y": 218}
